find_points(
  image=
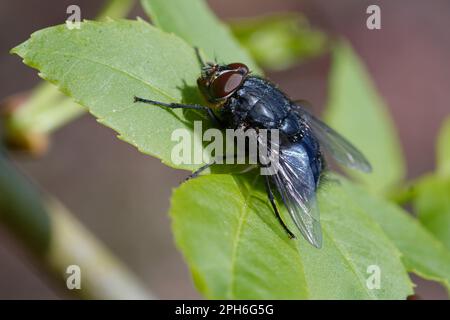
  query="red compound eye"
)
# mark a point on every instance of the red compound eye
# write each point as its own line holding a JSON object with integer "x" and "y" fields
{"x": 222, "y": 81}
{"x": 225, "y": 84}
{"x": 228, "y": 80}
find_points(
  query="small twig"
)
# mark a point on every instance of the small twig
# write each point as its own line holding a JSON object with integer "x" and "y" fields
{"x": 58, "y": 240}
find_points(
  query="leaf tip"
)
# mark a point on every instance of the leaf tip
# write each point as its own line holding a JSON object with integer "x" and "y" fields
{"x": 20, "y": 49}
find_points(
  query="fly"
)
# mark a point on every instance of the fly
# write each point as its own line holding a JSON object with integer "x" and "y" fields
{"x": 239, "y": 100}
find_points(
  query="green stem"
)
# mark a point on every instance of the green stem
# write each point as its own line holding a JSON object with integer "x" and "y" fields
{"x": 58, "y": 240}
{"x": 47, "y": 109}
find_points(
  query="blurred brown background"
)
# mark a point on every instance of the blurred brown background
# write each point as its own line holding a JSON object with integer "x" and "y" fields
{"x": 123, "y": 196}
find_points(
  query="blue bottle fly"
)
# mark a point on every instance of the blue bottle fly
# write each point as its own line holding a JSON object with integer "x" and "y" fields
{"x": 240, "y": 100}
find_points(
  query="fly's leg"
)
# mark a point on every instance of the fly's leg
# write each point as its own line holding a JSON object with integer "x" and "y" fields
{"x": 172, "y": 105}
{"x": 197, "y": 172}
{"x": 275, "y": 209}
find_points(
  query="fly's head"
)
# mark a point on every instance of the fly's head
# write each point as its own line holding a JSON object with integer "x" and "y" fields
{"x": 219, "y": 82}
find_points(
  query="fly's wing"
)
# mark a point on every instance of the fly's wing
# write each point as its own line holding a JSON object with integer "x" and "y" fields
{"x": 339, "y": 148}
{"x": 294, "y": 180}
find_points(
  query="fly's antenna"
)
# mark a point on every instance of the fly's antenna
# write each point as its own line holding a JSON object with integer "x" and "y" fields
{"x": 199, "y": 57}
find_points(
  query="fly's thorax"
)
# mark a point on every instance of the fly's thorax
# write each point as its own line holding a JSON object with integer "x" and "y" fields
{"x": 258, "y": 104}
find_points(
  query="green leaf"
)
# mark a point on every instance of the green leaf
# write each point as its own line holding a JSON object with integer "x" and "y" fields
{"x": 431, "y": 201}
{"x": 194, "y": 22}
{"x": 289, "y": 37}
{"x": 47, "y": 109}
{"x": 432, "y": 205}
{"x": 422, "y": 252}
{"x": 103, "y": 65}
{"x": 357, "y": 111}
{"x": 236, "y": 248}
{"x": 443, "y": 150}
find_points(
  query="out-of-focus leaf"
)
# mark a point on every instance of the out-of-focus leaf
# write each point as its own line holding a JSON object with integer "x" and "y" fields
{"x": 279, "y": 41}
{"x": 103, "y": 65}
{"x": 422, "y": 252}
{"x": 357, "y": 111}
{"x": 431, "y": 200}
{"x": 443, "y": 150}
{"x": 194, "y": 22}
{"x": 236, "y": 248}
{"x": 432, "y": 206}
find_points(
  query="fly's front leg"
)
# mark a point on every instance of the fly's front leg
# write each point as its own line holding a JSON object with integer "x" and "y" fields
{"x": 197, "y": 172}
{"x": 173, "y": 105}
